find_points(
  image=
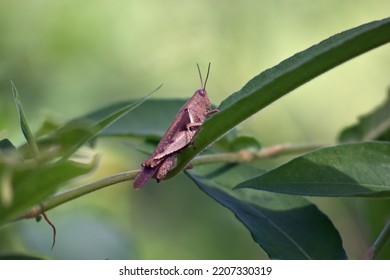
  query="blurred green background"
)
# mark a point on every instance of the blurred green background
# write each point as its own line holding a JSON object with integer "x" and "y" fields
{"x": 70, "y": 57}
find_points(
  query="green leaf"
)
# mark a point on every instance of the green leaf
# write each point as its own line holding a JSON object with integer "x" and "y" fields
{"x": 48, "y": 140}
{"x": 149, "y": 120}
{"x": 373, "y": 126}
{"x": 6, "y": 147}
{"x": 67, "y": 139}
{"x": 274, "y": 83}
{"x": 103, "y": 123}
{"x": 24, "y": 125}
{"x": 360, "y": 169}
{"x": 33, "y": 183}
{"x": 48, "y": 126}
{"x": 18, "y": 256}
{"x": 285, "y": 227}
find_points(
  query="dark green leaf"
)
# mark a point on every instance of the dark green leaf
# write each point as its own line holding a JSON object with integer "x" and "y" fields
{"x": 149, "y": 120}
{"x": 361, "y": 169}
{"x": 104, "y": 122}
{"x": 286, "y": 227}
{"x": 6, "y": 146}
{"x": 274, "y": 83}
{"x": 31, "y": 184}
{"x": 373, "y": 126}
{"x": 67, "y": 139}
{"x": 20, "y": 257}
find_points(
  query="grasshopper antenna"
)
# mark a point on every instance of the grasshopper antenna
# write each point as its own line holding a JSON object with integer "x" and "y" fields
{"x": 203, "y": 85}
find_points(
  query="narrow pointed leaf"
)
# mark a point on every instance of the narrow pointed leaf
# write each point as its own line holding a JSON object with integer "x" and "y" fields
{"x": 24, "y": 124}
{"x": 360, "y": 169}
{"x": 284, "y": 226}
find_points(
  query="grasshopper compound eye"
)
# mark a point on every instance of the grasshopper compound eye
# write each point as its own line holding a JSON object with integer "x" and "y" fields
{"x": 202, "y": 92}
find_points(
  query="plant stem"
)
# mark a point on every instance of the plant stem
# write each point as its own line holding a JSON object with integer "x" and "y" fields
{"x": 239, "y": 157}
{"x": 379, "y": 243}
{"x": 87, "y": 188}
{"x": 249, "y": 155}
{"x": 69, "y": 195}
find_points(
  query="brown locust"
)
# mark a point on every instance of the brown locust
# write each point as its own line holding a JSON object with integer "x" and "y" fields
{"x": 179, "y": 135}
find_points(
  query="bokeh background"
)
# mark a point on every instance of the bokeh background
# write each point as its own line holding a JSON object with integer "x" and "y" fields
{"x": 69, "y": 57}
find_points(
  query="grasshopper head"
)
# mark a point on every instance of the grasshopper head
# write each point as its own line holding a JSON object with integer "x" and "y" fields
{"x": 203, "y": 98}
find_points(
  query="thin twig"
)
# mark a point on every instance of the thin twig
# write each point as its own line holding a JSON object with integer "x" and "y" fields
{"x": 374, "y": 250}
{"x": 87, "y": 188}
{"x": 53, "y": 227}
{"x": 249, "y": 155}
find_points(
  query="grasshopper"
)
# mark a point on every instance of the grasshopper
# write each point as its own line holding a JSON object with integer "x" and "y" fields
{"x": 179, "y": 135}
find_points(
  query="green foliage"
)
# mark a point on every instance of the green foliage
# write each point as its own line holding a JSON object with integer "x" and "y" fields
{"x": 269, "y": 203}
{"x": 359, "y": 169}
{"x": 150, "y": 126}
{"x": 286, "y": 227}
{"x": 26, "y": 183}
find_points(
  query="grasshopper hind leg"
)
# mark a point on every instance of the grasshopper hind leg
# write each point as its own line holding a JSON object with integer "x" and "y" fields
{"x": 164, "y": 168}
